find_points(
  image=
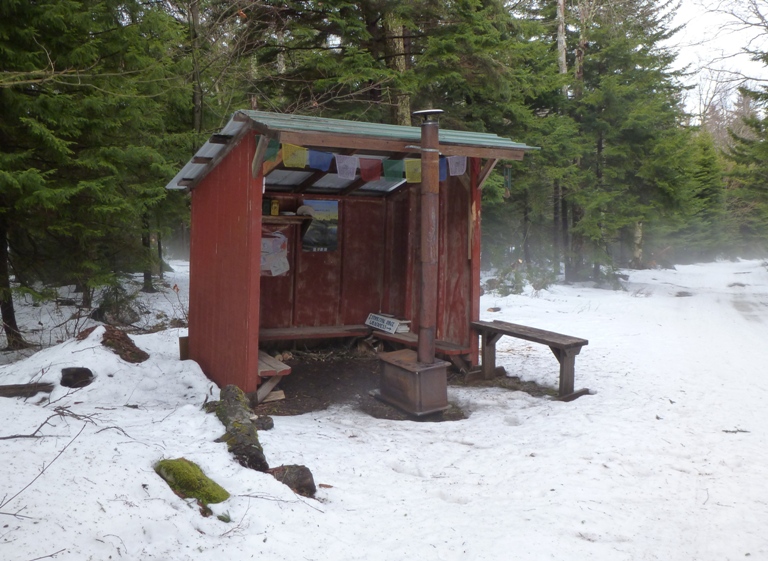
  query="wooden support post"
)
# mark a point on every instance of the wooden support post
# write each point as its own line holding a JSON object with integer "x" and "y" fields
{"x": 258, "y": 156}
{"x": 489, "y": 340}
{"x": 567, "y": 360}
{"x": 266, "y": 387}
{"x": 486, "y": 172}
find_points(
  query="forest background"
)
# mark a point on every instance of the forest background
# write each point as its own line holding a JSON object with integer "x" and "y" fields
{"x": 102, "y": 101}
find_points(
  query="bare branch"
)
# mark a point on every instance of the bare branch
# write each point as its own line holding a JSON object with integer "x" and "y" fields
{"x": 42, "y": 471}
{"x": 54, "y": 554}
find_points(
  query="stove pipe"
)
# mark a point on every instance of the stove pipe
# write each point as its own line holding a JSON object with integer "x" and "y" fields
{"x": 430, "y": 193}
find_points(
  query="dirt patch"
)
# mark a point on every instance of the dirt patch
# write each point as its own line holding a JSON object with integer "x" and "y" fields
{"x": 119, "y": 342}
{"x": 321, "y": 379}
{"x": 508, "y": 383}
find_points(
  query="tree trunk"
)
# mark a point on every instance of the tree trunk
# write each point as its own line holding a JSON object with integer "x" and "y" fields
{"x": 637, "y": 246}
{"x": 13, "y": 336}
{"x": 146, "y": 242}
{"x": 197, "y": 86}
{"x": 87, "y": 296}
{"x": 564, "y": 231}
{"x": 578, "y": 245}
{"x": 395, "y": 32}
{"x": 526, "y": 231}
{"x": 160, "y": 254}
{"x": 561, "y": 47}
{"x": 556, "y": 198}
{"x": 585, "y": 16}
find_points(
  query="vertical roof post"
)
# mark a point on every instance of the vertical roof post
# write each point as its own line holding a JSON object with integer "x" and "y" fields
{"x": 430, "y": 201}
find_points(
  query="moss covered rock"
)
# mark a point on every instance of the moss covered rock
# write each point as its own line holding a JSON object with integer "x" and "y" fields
{"x": 188, "y": 480}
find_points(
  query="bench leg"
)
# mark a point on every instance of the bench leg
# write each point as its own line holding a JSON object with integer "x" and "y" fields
{"x": 489, "y": 354}
{"x": 567, "y": 360}
{"x": 266, "y": 387}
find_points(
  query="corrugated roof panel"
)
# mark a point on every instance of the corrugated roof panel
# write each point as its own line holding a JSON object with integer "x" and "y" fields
{"x": 278, "y": 121}
{"x": 233, "y": 127}
{"x": 287, "y": 177}
{"x": 209, "y": 150}
{"x": 382, "y": 185}
{"x": 333, "y": 181}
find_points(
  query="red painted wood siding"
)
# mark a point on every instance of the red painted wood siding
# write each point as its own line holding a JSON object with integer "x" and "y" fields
{"x": 362, "y": 268}
{"x": 376, "y": 267}
{"x": 396, "y": 275}
{"x": 224, "y": 291}
{"x": 329, "y": 288}
{"x": 454, "y": 270}
{"x": 277, "y": 292}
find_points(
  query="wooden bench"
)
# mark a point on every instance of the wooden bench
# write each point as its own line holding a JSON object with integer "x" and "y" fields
{"x": 564, "y": 347}
{"x": 452, "y": 351}
{"x": 321, "y": 332}
{"x": 409, "y": 339}
{"x": 273, "y": 370}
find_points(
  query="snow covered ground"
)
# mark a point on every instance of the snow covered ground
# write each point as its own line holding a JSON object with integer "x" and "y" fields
{"x": 666, "y": 461}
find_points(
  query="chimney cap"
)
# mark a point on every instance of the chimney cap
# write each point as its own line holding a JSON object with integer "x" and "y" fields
{"x": 426, "y": 114}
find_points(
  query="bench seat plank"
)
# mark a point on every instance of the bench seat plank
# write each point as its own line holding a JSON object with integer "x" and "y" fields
{"x": 270, "y": 366}
{"x": 320, "y": 332}
{"x": 564, "y": 347}
{"x": 412, "y": 340}
{"x": 549, "y": 338}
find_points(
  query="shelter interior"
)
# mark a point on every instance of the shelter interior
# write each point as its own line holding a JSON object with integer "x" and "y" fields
{"x": 262, "y": 270}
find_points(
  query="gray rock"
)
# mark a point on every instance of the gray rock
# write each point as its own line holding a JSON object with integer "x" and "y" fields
{"x": 298, "y": 478}
{"x": 263, "y": 422}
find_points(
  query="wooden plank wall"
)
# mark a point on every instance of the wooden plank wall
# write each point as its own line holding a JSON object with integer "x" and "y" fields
{"x": 223, "y": 292}
{"x": 376, "y": 267}
{"x": 454, "y": 267}
{"x": 397, "y": 286}
{"x": 329, "y": 288}
{"x": 363, "y": 231}
{"x": 277, "y": 292}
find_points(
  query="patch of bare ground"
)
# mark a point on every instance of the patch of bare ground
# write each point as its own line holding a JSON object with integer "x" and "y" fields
{"x": 323, "y": 378}
{"x": 119, "y": 342}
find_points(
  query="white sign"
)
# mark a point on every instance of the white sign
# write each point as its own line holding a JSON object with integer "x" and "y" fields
{"x": 383, "y": 323}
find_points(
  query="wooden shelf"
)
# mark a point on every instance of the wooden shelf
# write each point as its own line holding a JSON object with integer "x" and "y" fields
{"x": 283, "y": 219}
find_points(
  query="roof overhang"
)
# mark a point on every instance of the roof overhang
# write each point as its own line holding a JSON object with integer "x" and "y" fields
{"x": 371, "y": 140}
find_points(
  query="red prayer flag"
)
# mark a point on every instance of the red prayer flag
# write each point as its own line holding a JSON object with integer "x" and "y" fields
{"x": 370, "y": 169}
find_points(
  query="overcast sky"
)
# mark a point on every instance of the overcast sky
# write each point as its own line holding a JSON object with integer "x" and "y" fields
{"x": 711, "y": 41}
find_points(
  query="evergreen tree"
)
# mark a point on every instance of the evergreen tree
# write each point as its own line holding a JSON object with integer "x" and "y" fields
{"x": 80, "y": 157}
{"x": 627, "y": 104}
{"x": 747, "y": 198}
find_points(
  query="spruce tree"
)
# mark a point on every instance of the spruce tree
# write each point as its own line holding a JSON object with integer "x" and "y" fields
{"x": 82, "y": 110}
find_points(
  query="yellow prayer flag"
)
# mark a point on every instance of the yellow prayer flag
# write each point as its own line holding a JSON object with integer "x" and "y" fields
{"x": 294, "y": 156}
{"x": 413, "y": 170}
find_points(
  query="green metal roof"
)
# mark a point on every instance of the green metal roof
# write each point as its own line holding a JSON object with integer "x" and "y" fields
{"x": 272, "y": 124}
{"x": 298, "y": 123}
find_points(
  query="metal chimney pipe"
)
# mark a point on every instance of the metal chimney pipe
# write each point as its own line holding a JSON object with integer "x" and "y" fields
{"x": 430, "y": 202}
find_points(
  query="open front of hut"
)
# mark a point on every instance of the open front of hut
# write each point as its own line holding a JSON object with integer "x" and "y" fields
{"x": 312, "y": 228}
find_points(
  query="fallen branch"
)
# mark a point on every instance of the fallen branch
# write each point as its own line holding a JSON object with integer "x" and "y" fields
{"x": 25, "y": 390}
{"x": 54, "y": 554}
{"x": 39, "y": 475}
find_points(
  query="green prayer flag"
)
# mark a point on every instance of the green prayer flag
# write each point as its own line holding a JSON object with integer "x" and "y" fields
{"x": 272, "y": 149}
{"x": 393, "y": 170}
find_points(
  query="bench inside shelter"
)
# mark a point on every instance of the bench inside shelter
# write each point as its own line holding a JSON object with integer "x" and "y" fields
{"x": 319, "y": 332}
{"x": 564, "y": 347}
{"x": 408, "y": 339}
